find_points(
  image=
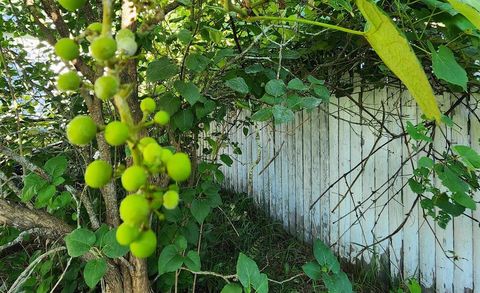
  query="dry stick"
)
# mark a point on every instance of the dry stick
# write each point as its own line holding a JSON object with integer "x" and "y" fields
{"x": 24, "y": 162}
{"x": 272, "y": 159}
{"x": 198, "y": 251}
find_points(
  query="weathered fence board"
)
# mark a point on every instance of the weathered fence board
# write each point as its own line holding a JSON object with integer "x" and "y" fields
{"x": 340, "y": 173}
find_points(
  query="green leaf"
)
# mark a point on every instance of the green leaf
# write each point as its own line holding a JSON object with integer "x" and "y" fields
{"x": 44, "y": 196}
{"x": 180, "y": 242}
{"x": 472, "y": 14}
{"x": 55, "y": 167}
{"x": 169, "y": 260}
{"x": 425, "y": 162}
{"x": 32, "y": 184}
{"x": 262, "y": 115}
{"x": 184, "y": 36}
{"x": 197, "y": 62}
{"x": 205, "y": 109}
{"x": 414, "y": 286}
{"x": 79, "y": 242}
{"x": 322, "y": 92}
{"x": 226, "y": 159}
{"x": 469, "y": 157}
{"x": 465, "y": 200}
{"x": 325, "y": 257}
{"x": 247, "y": 270}
{"x": 397, "y": 54}
{"x": 188, "y": 90}
{"x": 260, "y": 283}
{"x": 200, "y": 210}
{"x": 110, "y": 247}
{"x": 192, "y": 261}
{"x": 310, "y": 102}
{"x": 275, "y": 87}
{"x": 232, "y": 288}
{"x": 215, "y": 35}
{"x": 337, "y": 283}
{"x": 238, "y": 84}
{"x": 297, "y": 85}
{"x": 446, "y": 67}
{"x": 313, "y": 270}
{"x": 183, "y": 120}
{"x": 282, "y": 114}
{"x": 161, "y": 69}
{"x": 416, "y": 186}
{"x": 94, "y": 271}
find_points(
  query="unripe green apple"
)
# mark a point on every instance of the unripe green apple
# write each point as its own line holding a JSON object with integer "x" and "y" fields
{"x": 134, "y": 209}
{"x": 171, "y": 199}
{"x": 116, "y": 133}
{"x": 128, "y": 46}
{"x": 179, "y": 167}
{"x": 133, "y": 178}
{"x": 126, "y": 234}
{"x": 162, "y": 118}
{"x": 67, "y": 49}
{"x": 148, "y": 105}
{"x": 69, "y": 81}
{"x": 145, "y": 245}
{"x": 103, "y": 48}
{"x": 152, "y": 154}
{"x": 72, "y": 5}
{"x": 81, "y": 130}
{"x": 106, "y": 87}
{"x": 98, "y": 173}
{"x": 174, "y": 187}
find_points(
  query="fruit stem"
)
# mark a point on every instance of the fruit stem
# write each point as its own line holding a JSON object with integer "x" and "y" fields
{"x": 306, "y": 21}
{"x": 107, "y": 17}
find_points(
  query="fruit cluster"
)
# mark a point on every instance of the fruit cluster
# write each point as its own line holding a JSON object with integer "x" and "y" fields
{"x": 150, "y": 158}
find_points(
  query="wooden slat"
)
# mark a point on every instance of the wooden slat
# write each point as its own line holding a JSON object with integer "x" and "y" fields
{"x": 316, "y": 178}
{"x": 307, "y": 174}
{"x": 299, "y": 196}
{"x": 344, "y": 207}
{"x": 325, "y": 178}
{"x": 334, "y": 159}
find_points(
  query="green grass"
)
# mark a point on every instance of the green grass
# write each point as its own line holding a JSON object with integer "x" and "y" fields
{"x": 239, "y": 226}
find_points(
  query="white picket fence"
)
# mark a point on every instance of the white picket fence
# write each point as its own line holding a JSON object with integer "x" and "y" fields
{"x": 286, "y": 169}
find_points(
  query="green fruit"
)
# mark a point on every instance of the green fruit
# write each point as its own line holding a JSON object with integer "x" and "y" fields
{"x": 148, "y": 105}
{"x": 162, "y": 118}
{"x": 152, "y": 154}
{"x": 171, "y": 199}
{"x": 69, "y": 81}
{"x": 157, "y": 200}
{"x": 67, "y": 49}
{"x": 116, "y": 133}
{"x": 106, "y": 87}
{"x": 179, "y": 167}
{"x": 144, "y": 142}
{"x": 174, "y": 187}
{"x": 133, "y": 178}
{"x": 72, "y": 5}
{"x": 145, "y": 245}
{"x": 126, "y": 234}
{"x": 124, "y": 33}
{"x": 134, "y": 209}
{"x": 98, "y": 173}
{"x": 127, "y": 46}
{"x": 81, "y": 130}
{"x": 95, "y": 27}
{"x": 166, "y": 155}
{"x": 103, "y": 48}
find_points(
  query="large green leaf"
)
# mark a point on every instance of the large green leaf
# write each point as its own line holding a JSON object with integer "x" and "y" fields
{"x": 247, "y": 270}
{"x": 169, "y": 260}
{"x": 446, "y": 67}
{"x": 79, "y": 242}
{"x": 183, "y": 120}
{"x": 472, "y": 14}
{"x": 94, "y": 271}
{"x": 238, "y": 84}
{"x": 161, "y": 69}
{"x": 192, "y": 261}
{"x": 313, "y": 270}
{"x": 56, "y": 166}
{"x": 275, "y": 87}
{"x": 468, "y": 155}
{"x": 395, "y": 51}
{"x": 325, "y": 257}
{"x": 110, "y": 246}
{"x": 188, "y": 90}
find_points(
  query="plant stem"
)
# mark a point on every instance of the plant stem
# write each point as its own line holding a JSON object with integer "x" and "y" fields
{"x": 306, "y": 21}
{"x": 107, "y": 18}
